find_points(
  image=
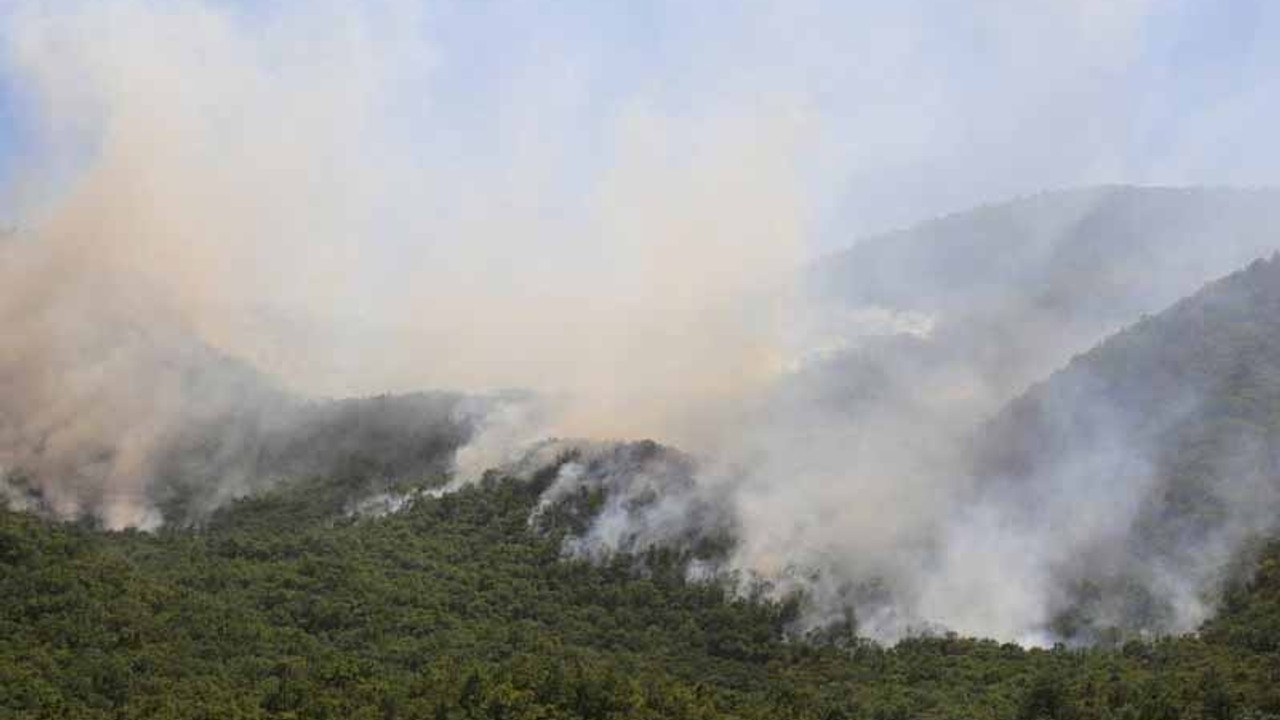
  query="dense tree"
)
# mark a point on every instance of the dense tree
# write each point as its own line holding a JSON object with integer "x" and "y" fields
{"x": 455, "y": 608}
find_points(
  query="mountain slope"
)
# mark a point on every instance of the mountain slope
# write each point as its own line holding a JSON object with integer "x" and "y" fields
{"x": 189, "y": 428}
{"x": 1165, "y": 439}
{"x": 1112, "y": 250}
{"x": 1148, "y": 466}
{"x": 454, "y": 608}
{"x": 1012, "y": 289}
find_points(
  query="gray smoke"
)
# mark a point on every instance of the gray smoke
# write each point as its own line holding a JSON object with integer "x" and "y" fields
{"x": 232, "y": 212}
{"x": 258, "y": 186}
{"x": 1114, "y": 498}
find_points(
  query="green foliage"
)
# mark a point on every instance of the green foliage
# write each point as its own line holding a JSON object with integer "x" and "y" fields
{"x": 285, "y": 605}
{"x": 456, "y": 608}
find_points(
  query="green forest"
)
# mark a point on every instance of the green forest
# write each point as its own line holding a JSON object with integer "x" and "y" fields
{"x": 454, "y": 608}
{"x": 758, "y": 360}
{"x": 285, "y": 604}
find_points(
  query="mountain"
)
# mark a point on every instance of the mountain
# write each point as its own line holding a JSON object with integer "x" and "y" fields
{"x": 1108, "y": 251}
{"x": 284, "y": 604}
{"x": 185, "y": 429}
{"x": 384, "y": 441}
{"x": 1015, "y": 288}
{"x": 1143, "y": 477}
{"x": 1165, "y": 439}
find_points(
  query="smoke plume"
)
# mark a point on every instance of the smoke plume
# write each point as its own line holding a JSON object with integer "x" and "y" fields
{"x": 228, "y": 214}
{"x": 258, "y": 186}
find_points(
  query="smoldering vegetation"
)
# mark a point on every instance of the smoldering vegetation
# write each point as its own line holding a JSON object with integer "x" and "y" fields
{"x": 213, "y": 430}
{"x": 1117, "y": 497}
{"x": 624, "y": 497}
{"x": 890, "y": 477}
{"x": 197, "y": 268}
{"x": 1152, "y": 463}
{"x": 112, "y": 409}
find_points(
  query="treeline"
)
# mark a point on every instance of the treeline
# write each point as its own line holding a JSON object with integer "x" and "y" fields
{"x": 455, "y": 608}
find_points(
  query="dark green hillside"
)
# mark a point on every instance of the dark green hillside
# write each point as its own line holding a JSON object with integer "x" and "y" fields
{"x": 375, "y": 444}
{"x": 455, "y": 609}
{"x": 285, "y": 604}
{"x": 216, "y": 428}
{"x": 1250, "y": 615}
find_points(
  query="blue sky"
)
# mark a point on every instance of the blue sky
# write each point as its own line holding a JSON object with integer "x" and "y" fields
{"x": 917, "y": 109}
{"x": 11, "y": 130}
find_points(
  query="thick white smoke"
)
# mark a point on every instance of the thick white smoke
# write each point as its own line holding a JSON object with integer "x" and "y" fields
{"x": 259, "y": 183}
{"x": 304, "y": 187}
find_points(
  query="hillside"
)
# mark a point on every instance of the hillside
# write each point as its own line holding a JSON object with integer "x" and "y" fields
{"x": 1012, "y": 289}
{"x": 1166, "y": 439}
{"x": 1106, "y": 251}
{"x": 1142, "y": 479}
{"x": 189, "y": 428}
{"x": 287, "y": 604}
{"x": 454, "y": 608}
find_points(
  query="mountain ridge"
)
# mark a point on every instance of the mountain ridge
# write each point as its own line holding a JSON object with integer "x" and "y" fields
{"x": 1176, "y": 417}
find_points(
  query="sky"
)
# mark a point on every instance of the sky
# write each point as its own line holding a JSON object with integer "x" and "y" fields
{"x": 910, "y": 109}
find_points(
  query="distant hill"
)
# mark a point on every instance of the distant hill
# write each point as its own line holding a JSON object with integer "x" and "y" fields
{"x": 456, "y": 607}
{"x": 1018, "y": 286}
{"x": 1166, "y": 439}
{"x": 193, "y": 429}
{"x": 367, "y": 445}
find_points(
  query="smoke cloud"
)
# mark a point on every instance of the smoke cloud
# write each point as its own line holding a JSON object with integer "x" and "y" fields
{"x": 259, "y": 186}
{"x": 228, "y": 213}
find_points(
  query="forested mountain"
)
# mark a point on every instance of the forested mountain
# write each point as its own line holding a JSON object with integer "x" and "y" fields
{"x": 283, "y": 586}
{"x": 1013, "y": 288}
{"x": 453, "y": 608}
{"x": 285, "y": 604}
{"x": 191, "y": 428}
{"x": 1105, "y": 251}
{"x": 446, "y": 360}
{"x": 382, "y": 442}
{"x": 1166, "y": 440}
